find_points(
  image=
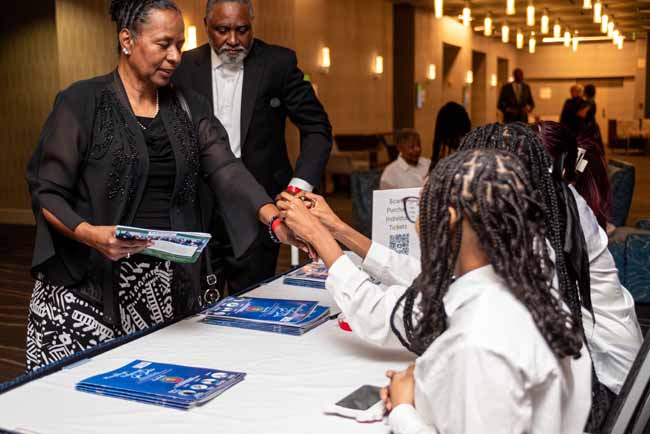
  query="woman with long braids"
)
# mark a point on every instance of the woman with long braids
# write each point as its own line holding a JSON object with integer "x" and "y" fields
{"x": 497, "y": 351}
{"x": 571, "y": 257}
{"x": 613, "y": 331}
{"x": 126, "y": 148}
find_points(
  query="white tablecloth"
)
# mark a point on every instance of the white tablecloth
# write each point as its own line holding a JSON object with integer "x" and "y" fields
{"x": 290, "y": 381}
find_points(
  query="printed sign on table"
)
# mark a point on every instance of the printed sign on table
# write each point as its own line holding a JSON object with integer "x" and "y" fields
{"x": 390, "y": 225}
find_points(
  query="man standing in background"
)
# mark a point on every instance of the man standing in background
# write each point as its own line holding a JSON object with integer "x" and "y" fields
{"x": 516, "y": 99}
{"x": 253, "y": 87}
{"x": 569, "y": 116}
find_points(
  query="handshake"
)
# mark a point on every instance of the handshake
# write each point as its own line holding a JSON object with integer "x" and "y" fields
{"x": 309, "y": 221}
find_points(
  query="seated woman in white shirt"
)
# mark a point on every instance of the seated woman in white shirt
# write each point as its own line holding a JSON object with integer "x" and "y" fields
{"x": 497, "y": 352}
{"x": 615, "y": 336}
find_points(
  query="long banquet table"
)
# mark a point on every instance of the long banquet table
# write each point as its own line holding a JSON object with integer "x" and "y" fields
{"x": 290, "y": 380}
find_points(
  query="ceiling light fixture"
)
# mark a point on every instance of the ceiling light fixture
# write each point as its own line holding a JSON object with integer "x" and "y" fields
{"x": 530, "y": 15}
{"x": 598, "y": 11}
{"x": 545, "y": 22}
{"x": 520, "y": 39}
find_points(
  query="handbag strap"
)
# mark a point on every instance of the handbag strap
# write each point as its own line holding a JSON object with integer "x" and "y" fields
{"x": 211, "y": 294}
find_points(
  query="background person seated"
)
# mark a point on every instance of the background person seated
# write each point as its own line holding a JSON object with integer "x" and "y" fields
{"x": 410, "y": 168}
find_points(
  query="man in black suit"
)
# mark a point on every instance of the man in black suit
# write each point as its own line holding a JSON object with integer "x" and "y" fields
{"x": 516, "y": 99}
{"x": 253, "y": 87}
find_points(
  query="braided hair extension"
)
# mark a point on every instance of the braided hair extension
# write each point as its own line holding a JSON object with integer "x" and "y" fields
{"x": 560, "y": 143}
{"x": 131, "y": 14}
{"x": 493, "y": 192}
{"x": 520, "y": 139}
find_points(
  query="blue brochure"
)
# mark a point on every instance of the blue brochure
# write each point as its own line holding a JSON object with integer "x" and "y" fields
{"x": 294, "y": 317}
{"x": 262, "y": 310}
{"x": 163, "y": 384}
{"x": 318, "y": 316}
{"x": 311, "y": 275}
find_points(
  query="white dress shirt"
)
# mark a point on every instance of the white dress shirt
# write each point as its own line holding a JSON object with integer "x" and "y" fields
{"x": 400, "y": 174}
{"x": 491, "y": 373}
{"x": 614, "y": 340}
{"x": 227, "y": 86}
{"x": 616, "y": 337}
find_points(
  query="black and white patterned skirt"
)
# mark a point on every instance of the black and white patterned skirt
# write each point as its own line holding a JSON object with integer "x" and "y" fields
{"x": 61, "y": 322}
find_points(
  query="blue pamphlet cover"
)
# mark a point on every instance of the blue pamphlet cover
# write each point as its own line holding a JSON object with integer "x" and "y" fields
{"x": 162, "y": 383}
{"x": 262, "y": 310}
{"x": 318, "y": 316}
{"x": 311, "y": 275}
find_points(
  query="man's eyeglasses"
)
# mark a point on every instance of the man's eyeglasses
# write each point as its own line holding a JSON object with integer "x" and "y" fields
{"x": 411, "y": 208}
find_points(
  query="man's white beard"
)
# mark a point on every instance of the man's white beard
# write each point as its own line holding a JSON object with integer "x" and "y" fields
{"x": 232, "y": 60}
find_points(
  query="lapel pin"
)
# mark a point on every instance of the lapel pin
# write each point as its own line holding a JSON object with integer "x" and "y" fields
{"x": 275, "y": 102}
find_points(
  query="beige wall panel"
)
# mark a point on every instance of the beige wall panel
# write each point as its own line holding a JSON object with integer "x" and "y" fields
{"x": 591, "y": 60}
{"x": 29, "y": 81}
{"x": 430, "y": 35}
{"x": 86, "y": 40}
{"x": 355, "y": 31}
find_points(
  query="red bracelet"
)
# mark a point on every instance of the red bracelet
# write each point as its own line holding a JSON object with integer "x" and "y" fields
{"x": 293, "y": 189}
{"x": 275, "y": 224}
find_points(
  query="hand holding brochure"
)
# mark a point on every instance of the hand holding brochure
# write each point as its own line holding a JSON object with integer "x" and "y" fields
{"x": 185, "y": 247}
{"x": 294, "y": 317}
{"x": 175, "y": 386}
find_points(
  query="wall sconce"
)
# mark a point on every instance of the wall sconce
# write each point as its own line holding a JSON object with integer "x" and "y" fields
{"x": 493, "y": 80}
{"x": 325, "y": 60}
{"x": 469, "y": 78}
{"x": 567, "y": 38}
{"x": 505, "y": 33}
{"x": 378, "y": 69}
{"x": 431, "y": 72}
{"x": 438, "y": 8}
{"x": 191, "y": 38}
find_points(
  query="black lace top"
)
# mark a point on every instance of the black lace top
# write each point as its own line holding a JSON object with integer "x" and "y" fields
{"x": 91, "y": 165}
{"x": 153, "y": 210}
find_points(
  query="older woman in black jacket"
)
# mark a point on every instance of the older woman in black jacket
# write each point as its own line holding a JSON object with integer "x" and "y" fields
{"x": 127, "y": 148}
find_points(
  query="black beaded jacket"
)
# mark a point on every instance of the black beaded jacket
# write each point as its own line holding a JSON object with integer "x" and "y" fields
{"x": 91, "y": 165}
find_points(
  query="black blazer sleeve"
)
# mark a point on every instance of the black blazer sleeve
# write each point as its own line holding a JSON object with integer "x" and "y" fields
{"x": 238, "y": 195}
{"x": 308, "y": 114}
{"x": 503, "y": 102}
{"x": 530, "y": 101}
{"x": 52, "y": 176}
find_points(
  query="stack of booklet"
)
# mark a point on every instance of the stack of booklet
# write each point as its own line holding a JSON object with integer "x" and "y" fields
{"x": 312, "y": 275}
{"x": 175, "y": 386}
{"x": 292, "y": 317}
{"x": 183, "y": 247}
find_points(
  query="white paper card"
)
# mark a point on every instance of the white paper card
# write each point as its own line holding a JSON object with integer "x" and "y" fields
{"x": 390, "y": 227}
